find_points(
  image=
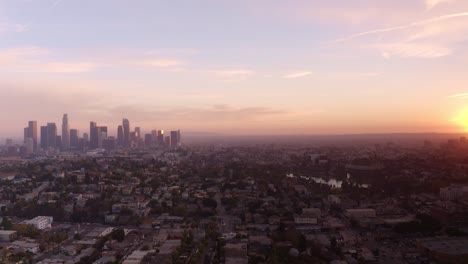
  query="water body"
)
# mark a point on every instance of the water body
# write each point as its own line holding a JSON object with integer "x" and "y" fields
{"x": 332, "y": 182}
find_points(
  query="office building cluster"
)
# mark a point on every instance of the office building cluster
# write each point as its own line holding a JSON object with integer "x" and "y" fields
{"x": 98, "y": 138}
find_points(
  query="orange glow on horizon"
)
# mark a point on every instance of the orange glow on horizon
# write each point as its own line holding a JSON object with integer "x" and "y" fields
{"x": 461, "y": 119}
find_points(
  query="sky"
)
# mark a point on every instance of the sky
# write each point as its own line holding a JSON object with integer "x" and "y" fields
{"x": 236, "y": 67}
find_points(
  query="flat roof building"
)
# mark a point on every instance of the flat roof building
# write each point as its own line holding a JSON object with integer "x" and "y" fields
{"x": 40, "y": 222}
{"x": 446, "y": 250}
{"x": 7, "y": 235}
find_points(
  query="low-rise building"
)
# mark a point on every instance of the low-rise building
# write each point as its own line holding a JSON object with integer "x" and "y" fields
{"x": 7, "y": 235}
{"x": 446, "y": 250}
{"x": 360, "y": 213}
{"x": 40, "y": 222}
{"x": 137, "y": 257}
{"x": 25, "y": 246}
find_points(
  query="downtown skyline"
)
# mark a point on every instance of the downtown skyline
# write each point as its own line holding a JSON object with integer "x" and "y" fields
{"x": 46, "y": 138}
{"x": 245, "y": 67}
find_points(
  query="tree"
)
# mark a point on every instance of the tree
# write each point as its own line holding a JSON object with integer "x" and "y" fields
{"x": 27, "y": 230}
{"x": 58, "y": 237}
{"x": 145, "y": 248}
{"x": 6, "y": 224}
{"x": 302, "y": 243}
{"x": 208, "y": 202}
{"x": 118, "y": 234}
{"x": 333, "y": 244}
{"x": 77, "y": 236}
{"x": 126, "y": 211}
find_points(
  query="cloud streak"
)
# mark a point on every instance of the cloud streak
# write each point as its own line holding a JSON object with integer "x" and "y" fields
{"x": 295, "y": 75}
{"x": 107, "y": 108}
{"x": 162, "y": 63}
{"x": 403, "y": 27}
{"x": 7, "y": 27}
{"x": 60, "y": 67}
{"x": 459, "y": 95}
{"x": 430, "y": 4}
{"x": 35, "y": 59}
{"x": 232, "y": 73}
{"x": 415, "y": 50}
{"x": 56, "y": 3}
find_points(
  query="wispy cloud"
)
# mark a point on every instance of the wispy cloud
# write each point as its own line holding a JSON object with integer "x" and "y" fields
{"x": 430, "y": 38}
{"x": 56, "y": 3}
{"x": 459, "y": 95}
{"x": 430, "y": 4}
{"x": 21, "y": 53}
{"x": 224, "y": 112}
{"x": 403, "y": 27}
{"x": 163, "y": 63}
{"x": 297, "y": 74}
{"x": 354, "y": 75}
{"x": 63, "y": 67}
{"x": 35, "y": 59}
{"x": 8, "y": 27}
{"x": 185, "y": 51}
{"x": 413, "y": 50}
{"x": 232, "y": 73}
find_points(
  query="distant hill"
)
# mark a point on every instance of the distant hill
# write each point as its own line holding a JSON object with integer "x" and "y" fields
{"x": 410, "y": 139}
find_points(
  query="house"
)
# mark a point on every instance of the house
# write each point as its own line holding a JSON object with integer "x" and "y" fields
{"x": 7, "y": 235}
{"x": 137, "y": 256}
{"x": 25, "y": 246}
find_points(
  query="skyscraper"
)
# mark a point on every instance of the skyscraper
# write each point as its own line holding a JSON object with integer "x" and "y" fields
{"x": 102, "y": 135}
{"x": 109, "y": 143}
{"x": 85, "y": 140}
{"x": 133, "y": 139}
{"x": 33, "y": 133}
{"x": 93, "y": 135}
{"x": 178, "y": 138}
{"x": 161, "y": 137}
{"x": 174, "y": 139}
{"x": 58, "y": 142}
{"x": 74, "y": 138}
{"x": 126, "y": 132}
{"x": 137, "y": 132}
{"x": 44, "y": 138}
{"x": 148, "y": 140}
{"x": 154, "y": 137}
{"x": 65, "y": 132}
{"x": 51, "y": 135}
{"x": 29, "y": 145}
{"x": 120, "y": 136}
{"x": 26, "y": 134}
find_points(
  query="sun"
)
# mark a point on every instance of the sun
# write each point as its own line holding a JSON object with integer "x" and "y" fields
{"x": 461, "y": 119}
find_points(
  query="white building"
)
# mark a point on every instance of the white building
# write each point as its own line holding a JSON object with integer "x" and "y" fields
{"x": 40, "y": 222}
{"x": 100, "y": 232}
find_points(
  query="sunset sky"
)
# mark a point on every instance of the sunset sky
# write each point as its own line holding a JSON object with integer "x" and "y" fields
{"x": 236, "y": 67}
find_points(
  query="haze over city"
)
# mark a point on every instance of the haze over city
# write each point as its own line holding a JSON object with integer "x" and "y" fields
{"x": 233, "y": 132}
{"x": 237, "y": 67}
